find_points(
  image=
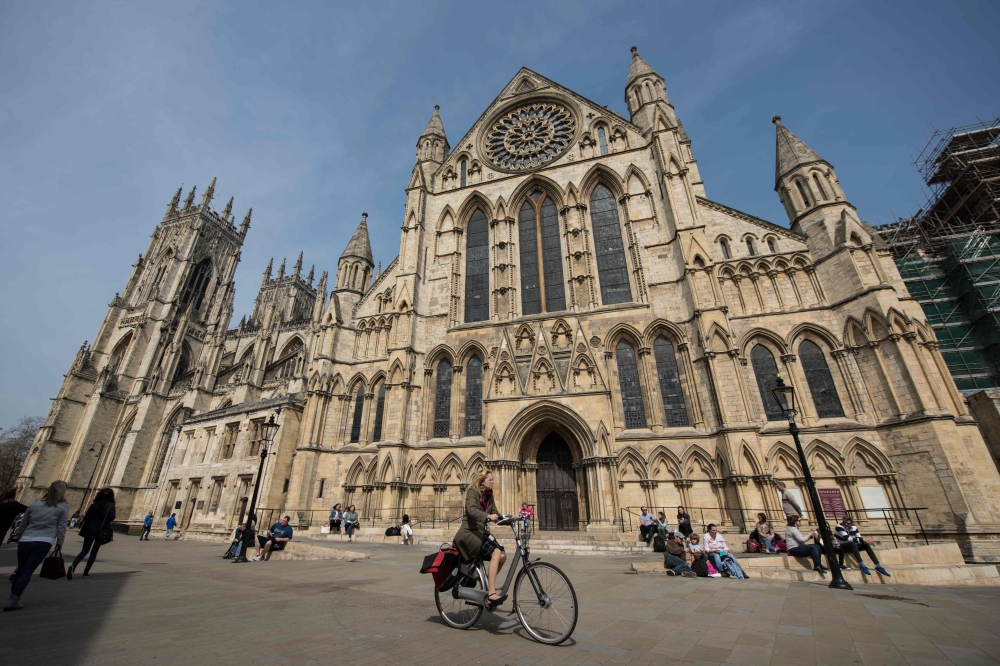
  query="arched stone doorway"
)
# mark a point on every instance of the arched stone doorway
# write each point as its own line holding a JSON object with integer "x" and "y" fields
{"x": 557, "y": 503}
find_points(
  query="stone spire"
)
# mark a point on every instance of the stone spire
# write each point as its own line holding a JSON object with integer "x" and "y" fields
{"x": 298, "y": 266}
{"x": 312, "y": 272}
{"x": 206, "y": 198}
{"x": 246, "y": 224}
{"x": 172, "y": 206}
{"x": 281, "y": 269}
{"x": 639, "y": 68}
{"x": 646, "y": 97}
{"x": 189, "y": 202}
{"x": 791, "y": 152}
{"x": 267, "y": 271}
{"x": 228, "y": 210}
{"x": 433, "y": 142}
{"x": 360, "y": 245}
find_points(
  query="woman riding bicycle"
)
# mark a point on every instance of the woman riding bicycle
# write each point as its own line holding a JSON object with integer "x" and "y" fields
{"x": 473, "y": 540}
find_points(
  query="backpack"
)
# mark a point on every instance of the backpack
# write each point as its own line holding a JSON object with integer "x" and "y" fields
{"x": 752, "y": 546}
{"x": 729, "y": 566}
{"x": 392, "y": 531}
{"x": 659, "y": 545}
{"x": 443, "y": 566}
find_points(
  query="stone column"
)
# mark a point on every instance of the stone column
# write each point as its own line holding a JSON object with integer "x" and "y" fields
{"x": 691, "y": 384}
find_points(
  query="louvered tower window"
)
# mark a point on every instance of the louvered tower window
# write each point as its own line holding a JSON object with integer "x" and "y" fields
{"x": 608, "y": 247}
{"x": 359, "y": 408}
{"x": 194, "y": 291}
{"x": 670, "y": 383}
{"x": 474, "y": 397}
{"x": 379, "y": 413}
{"x": 628, "y": 381}
{"x": 477, "y": 269}
{"x": 766, "y": 371}
{"x": 821, "y": 386}
{"x": 538, "y": 227}
{"x": 442, "y": 400}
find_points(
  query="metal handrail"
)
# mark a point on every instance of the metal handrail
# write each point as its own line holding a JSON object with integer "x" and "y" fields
{"x": 891, "y": 516}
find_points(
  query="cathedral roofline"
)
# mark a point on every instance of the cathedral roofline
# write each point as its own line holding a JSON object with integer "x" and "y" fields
{"x": 752, "y": 219}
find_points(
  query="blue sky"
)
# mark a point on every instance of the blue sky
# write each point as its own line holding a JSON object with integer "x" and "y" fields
{"x": 310, "y": 111}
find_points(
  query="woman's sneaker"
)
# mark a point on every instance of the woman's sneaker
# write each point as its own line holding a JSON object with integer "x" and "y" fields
{"x": 879, "y": 568}
{"x": 865, "y": 570}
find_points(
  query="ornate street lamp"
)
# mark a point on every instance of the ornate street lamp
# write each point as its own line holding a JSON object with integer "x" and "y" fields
{"x": 785, "y": 396}
{"x": 267, "y": 431}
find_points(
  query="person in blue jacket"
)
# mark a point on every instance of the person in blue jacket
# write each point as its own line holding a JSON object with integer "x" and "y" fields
{"x": 171, "y": 524}
{"x": 147, "y": 525}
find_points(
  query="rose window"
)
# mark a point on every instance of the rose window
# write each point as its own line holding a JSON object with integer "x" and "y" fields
{"x": 530, "y": 136}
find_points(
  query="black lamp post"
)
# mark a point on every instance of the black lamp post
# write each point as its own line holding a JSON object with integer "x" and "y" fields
{"x": 268, "y": 431}
{"x": 785, "y": 395}
{"x": 91, "y": 482}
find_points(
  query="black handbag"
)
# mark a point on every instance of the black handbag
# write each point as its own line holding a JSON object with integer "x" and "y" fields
{"x": 53, "y": 567}
{"x": 106, "y": 535}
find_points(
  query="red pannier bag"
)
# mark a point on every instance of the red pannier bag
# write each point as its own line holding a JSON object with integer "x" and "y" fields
{"x": 441, "y": 565}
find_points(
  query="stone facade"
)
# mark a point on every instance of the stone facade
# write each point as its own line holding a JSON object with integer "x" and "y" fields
{"x": 568, "y": 308}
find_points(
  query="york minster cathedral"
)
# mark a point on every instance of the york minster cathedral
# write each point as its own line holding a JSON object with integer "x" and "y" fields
{"x": 570, "y": 309}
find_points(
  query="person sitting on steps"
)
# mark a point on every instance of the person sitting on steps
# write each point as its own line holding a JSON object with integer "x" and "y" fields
{"x": 716, "y": 548}
{"x": 676, "y": 558}
{"x": 850, "y": 541}
{"x": 277, "y": 537}
{"x": 473, "y": 539}
{"x": 647, "y": 525}
{"x": 799, "y": 546}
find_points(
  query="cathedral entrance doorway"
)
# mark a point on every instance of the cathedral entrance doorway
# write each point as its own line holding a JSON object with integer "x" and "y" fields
{"x": 555, "y": 485}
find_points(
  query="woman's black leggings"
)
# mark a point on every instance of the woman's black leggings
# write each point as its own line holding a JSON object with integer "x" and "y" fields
{"x": 808, "y": 550}
{"x": 89, "y": 544}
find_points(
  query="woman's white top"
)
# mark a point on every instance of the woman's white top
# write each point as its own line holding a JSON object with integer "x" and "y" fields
{"x": 405, "y": 531}
{"x": 45, "y": 523}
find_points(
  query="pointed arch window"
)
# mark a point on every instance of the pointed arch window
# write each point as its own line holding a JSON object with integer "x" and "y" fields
{"x": 464, "y": 168}
{"x": 442, "y": 400}
{"x": 609, "y": 250}
{"x": 602, "y": 139}
{"x": 670, "y": 383}
{"x": 359, "y": 409}
{"x": 750, "y": 249}
{"x": 473, "y": 397}
{"x": 477, "y": 269}
{"x": 161, "y": 452}
{"x": 766, "y": 371}
{"x": 821, "y": 386}
{"x": 724, "y": 246}
{"x": 379, "y": 413}
{"x": 538, "y": 227}
{"x": 802, "y": 193}
{"x": 628, "y": 382}
{"x": 770, "y": 245}
{"x": 194, "y": 291}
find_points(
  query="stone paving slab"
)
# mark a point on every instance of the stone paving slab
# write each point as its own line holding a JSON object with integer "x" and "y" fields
{"x": 178, "y": 602}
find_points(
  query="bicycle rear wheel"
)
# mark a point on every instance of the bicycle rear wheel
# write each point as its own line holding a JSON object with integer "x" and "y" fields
{"x": 545, "y": 602}
{"x": 459, "y": 613}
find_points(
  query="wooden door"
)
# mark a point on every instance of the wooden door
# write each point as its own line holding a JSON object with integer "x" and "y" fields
{"x": 555, "y": 482}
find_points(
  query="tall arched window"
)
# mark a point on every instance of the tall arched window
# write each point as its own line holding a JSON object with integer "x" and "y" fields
{"x": 724, "y": 246}
{"x": 750, "y": 249}
{"x": 608, "y": 247}
{"x": 477, "y": 269}
{"x": 194, "y": 291}
{"x": 670, "y": 383}
{"x": 766, "y": 371}
{"x": 464, "y": 168}
{"x": 628, "y": 381}
{"x": 538, "y": 227}
{"x": 802, "y": 193}
{"x": 379, "y": 413}
{"x": 819, "y": 187}
{"x": 118, "y": 355}
{"x": 770, "y": 245}
{"x": 442, "y": 400}
{"x": 161, "y": 452}
{"x": 473, "y": 397}
{"x": 359, "y": 410}
{"x": 821, "y": 386}
{"x": 602, "y": 139}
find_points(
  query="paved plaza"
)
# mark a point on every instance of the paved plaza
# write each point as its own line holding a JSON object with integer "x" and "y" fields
{"x": 178, "y": 602}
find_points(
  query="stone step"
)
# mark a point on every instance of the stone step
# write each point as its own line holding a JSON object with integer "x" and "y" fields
{"x": 298, "y": 550}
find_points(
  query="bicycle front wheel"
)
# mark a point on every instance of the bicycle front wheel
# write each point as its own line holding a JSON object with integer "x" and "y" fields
{"x": 545, "y": 602}
{"x": 459, "y": 613}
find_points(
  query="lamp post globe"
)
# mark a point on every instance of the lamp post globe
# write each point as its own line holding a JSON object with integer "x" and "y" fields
{"x": 784, "y": 395}
{"x": 268, "y": 431}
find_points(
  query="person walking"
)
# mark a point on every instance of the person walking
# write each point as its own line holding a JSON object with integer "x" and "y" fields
{"x": 43, "y": 526}
{"x": 9, "y": 510}
{"x": 351, "y": 522}
{"x": 171, "y": 524}
{"x": 789, "y": 504}
{"x": 98, "y": 518}
{"x": 406, "y": 531}
{"x": 147, "y": 526}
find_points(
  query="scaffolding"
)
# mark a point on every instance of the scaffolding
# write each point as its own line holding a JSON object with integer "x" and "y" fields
{"x": 948, "y": 254}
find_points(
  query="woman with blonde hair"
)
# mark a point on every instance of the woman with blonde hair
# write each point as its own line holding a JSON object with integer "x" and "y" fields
{"x": 473, "y": 539}
{"x": 43, "y": 526}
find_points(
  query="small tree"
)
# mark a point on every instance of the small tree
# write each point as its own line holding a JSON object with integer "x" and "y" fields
{"x": 15, "y": 443}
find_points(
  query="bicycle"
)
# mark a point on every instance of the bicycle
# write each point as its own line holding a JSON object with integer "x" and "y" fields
{"x": 544, "y": 597}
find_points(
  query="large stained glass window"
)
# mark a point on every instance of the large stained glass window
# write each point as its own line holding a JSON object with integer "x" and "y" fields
{"x": 442, "y": 400}
{"x": 538, "y": 226}
{"x": 474, "y": 397}
{"x": 670, "y": 383}
{"x": 628, "y": 380}
{"x": 477, "y": 269}
{"x": 821, "y": 386}
{"x": 379, "y": 413}
{"x": 609, "y": 250}
{"x": 359, "y": 410}
{"x": 766, "y": 371}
